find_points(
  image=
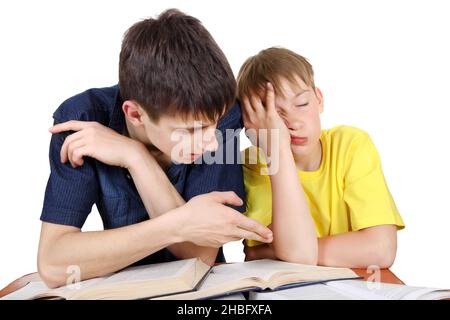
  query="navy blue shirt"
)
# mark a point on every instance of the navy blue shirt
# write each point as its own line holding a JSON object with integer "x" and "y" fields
{"x": 71, "y": 192}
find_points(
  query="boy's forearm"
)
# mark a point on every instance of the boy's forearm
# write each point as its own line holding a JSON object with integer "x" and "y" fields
{"x": 295, "y": 238}
{"x": 360, "y": 249}
{"x": 97, "y": 253}
{"x": 156, "y": 191}
{"x": 160, "y": 196}
{"x": 262, "y": 251}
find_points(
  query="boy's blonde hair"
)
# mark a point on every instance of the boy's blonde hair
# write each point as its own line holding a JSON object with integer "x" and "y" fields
{"x": 270, "y": 65}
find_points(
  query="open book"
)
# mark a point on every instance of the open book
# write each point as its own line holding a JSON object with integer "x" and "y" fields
{"x": 131, "y": 283}
{"x": 265, "y": 274}
{"x": 354, "y": 290}
{"x": 187, "y": 279}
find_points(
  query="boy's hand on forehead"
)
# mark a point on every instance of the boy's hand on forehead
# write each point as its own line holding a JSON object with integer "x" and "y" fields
{"x": 263, "y": 124}
{"x": 92, "y": 139}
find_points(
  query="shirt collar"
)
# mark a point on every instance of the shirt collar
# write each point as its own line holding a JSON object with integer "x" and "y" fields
{"x": 117, "y": 118}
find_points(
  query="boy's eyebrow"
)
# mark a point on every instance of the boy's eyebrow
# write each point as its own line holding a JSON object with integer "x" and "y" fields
{"x": 302, "y": 91}
{"x": 194, "y": 127}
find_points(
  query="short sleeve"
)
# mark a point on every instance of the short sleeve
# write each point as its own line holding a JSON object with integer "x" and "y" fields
{"x": 366, "y": 193}
{"x": 70, "y": 192}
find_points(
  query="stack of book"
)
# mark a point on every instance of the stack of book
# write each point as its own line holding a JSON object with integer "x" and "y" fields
{"x": 193, "y": 279}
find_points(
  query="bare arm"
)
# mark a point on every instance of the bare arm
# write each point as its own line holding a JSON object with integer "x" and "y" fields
{"x": 358, "y": 249}
{"x": 160, "y": 196}
{"x": 294, "y": 232}
{"x": 101, "y": 252}
{"x": 98, "y": 253}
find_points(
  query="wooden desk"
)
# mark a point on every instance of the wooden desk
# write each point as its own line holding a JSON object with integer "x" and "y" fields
{"x": 386, "y": 276}
{"x": 19, "y": 283}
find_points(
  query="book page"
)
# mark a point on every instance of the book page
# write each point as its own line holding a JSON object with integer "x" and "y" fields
{"x": 68, "y": 290}
{"x": 256, "y": 270}
{"x": 236, "y": 296}
{"x": 38, "y": 289}
{"x": 352, "y": 290}
{"x": 437, "y": 295}
{"x": 28, "y": 291}
{"x": 387, "y": 291}
{"x": 151, "y": 272}
{"x": 253, "y": 274}
{"x": 219, "y": 280}
{"x": 227, "y": 277}
{"x": 310, "y": 292}
{"x": 267, "y": 268}
{"x": 193, "y": 268}
{"x": 263, "y": 269}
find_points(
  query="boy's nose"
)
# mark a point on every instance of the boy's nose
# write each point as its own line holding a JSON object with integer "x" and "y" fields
{"x": 293, "y": 125}
{"x": 212, "y": 145}
{"x": 209, "y": 144}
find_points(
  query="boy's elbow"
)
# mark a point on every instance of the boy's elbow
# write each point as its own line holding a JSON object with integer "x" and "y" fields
{"x": 386, "y": 257}
{"x": 382, "y": 246}
{"x": 50, "y": 275}
{"x": 49, "y": 278}
{"x": 310, "y": 258}
{"x": 385, "y": 253}
{"x": 250, "y": 254}
{"x": 209, "y": 259}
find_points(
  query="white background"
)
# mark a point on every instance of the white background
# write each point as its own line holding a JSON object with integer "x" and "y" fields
{"x": 383, "y": 66}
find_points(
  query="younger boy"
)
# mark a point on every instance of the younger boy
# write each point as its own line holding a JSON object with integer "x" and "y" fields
{"x": 325, "y": 198}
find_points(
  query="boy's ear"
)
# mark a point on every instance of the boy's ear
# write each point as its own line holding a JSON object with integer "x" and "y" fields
{"x": 319, "y": 96}
{"x": 133, "y": 112}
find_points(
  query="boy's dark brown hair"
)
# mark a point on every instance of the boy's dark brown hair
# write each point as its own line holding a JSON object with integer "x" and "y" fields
{"x": 270, "y": 65}
{"x": 171, "y": 65}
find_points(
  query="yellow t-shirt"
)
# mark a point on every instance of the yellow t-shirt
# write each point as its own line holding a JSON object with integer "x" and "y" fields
{"x": 347, "y": 193}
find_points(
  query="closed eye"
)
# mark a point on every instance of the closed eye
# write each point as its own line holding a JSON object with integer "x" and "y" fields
{"x": 302, "y": 105}
{"x": 192, "y": 130}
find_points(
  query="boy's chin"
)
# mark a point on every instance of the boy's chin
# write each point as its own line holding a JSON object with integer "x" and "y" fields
{"x": 300, "y": 149}
{"x": 187, "y": 160}
{"x": 299, "y": 146}
{"x": 304, "y": 149}
{"x": 184, "y": 161}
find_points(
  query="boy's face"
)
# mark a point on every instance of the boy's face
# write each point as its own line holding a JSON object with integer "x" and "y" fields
{"x": 300, "y": 107}
{"x": 180, "y": 140}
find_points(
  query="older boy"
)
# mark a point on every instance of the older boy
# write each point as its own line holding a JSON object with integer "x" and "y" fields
{"x": 113, "y": 147}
